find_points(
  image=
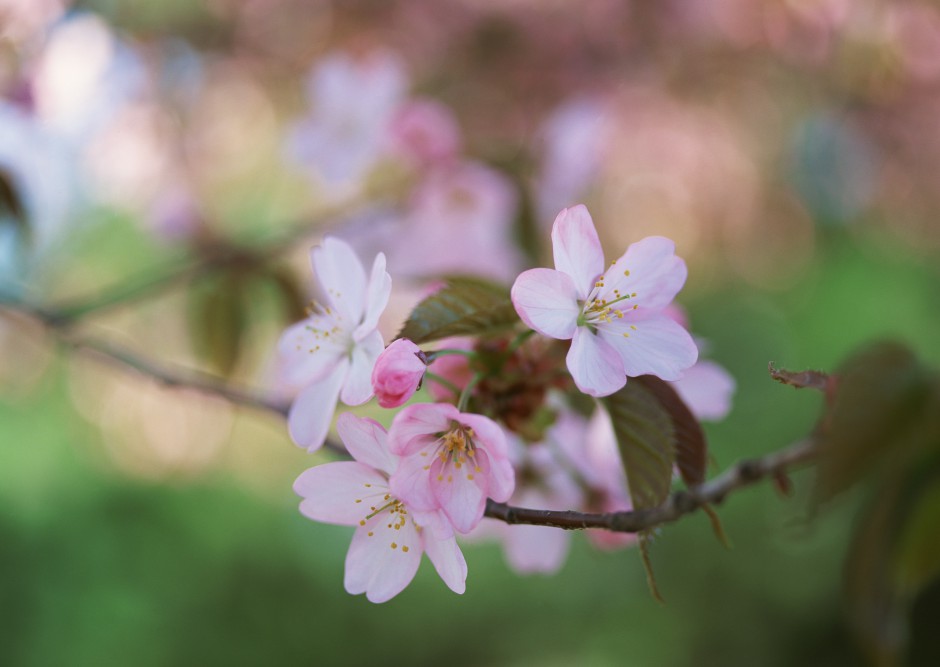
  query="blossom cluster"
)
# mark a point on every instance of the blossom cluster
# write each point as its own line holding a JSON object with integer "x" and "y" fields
{"x": 498, "y": 422}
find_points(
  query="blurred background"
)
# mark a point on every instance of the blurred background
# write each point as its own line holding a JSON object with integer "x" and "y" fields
{"x": 165, "y": 167}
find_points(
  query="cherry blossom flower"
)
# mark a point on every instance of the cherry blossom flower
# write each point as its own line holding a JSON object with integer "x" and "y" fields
{"x": 452, "y": 461}
{"x": 353, "y": 102}
{"x": 390, "y": 535}
{"x": 613, "y": 317}
{"x": 331, "y": 353}
{"x": 398, "y": 373}
{"x": 425, "y": 132}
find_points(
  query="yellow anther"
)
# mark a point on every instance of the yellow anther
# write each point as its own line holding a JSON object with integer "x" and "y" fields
{"x": 394, "y": 546}
{"x": 404, "y": 548}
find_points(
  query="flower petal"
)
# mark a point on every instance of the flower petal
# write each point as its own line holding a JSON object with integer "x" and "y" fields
{"x": 655, "y": 273}
{"x": 342, "y": 278}
{"x": 577, "y": 249}
{"x": 461, "y": 492}
{"x": 342, "y": 492}
{"x": 411, "y": 482}
{"x": 488, "y": 434}
{"x": 448, "y": 560}
{"x": 416, "y": 427}
{"x": 547, "y": 302}
{"x": 305, "y": 356}
{"x": 358, "y": 386}
{"x": 366, "y": 441}
{"x": 654, "y": 345}
{"x": 309, "y": 419}
{"x": 377, "y": 568}
{"x": 502, "y": 479}
{"x": 594, "y": 364}
{"x": 707, "y": 389}
{"x": 377, "y": 293}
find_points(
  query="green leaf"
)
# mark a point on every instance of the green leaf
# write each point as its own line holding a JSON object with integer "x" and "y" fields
{"x": 646, "y": 437}
{"x": 463, "y": 307}
{"x": 218, "y": 320}
{"x": 878, "y": 408}
{"x": 918, "y": 554}
{"x": 690, "y": 443}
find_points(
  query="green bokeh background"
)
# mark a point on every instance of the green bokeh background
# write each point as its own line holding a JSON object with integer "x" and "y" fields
{"x": 101, "y": 568}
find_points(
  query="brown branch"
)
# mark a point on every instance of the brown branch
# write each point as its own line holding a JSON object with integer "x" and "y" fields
{"x": 745, "y": 473}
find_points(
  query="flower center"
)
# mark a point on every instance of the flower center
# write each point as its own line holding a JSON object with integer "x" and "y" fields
{"x": 455, "y": 451}
{"x": 601, "y": 306}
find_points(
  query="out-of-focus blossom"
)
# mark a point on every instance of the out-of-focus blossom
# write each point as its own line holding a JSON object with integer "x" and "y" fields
{"x": 398, "y": 372}
{"x": 83, "y": 76}
{"x": 390, "y": 535}
{"x": 574, "y": 139}
{"x": 23, "y": 20}
{"x": 454, "y": 368}
{"x": 353, "y": 103}
{"x": 425, "y": 132}
{"x": 459, "y": 221}
{"x": 452, "y": 461}
{"x": 613, "y": 317}
{"x": 331, "y": 354}
{"x": 590, "y": 448}
{"x": 35, "y": 166}
{"x": 543, "y": 483}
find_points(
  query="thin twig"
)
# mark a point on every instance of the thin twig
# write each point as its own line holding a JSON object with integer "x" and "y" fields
{"x": 679, "y": 504}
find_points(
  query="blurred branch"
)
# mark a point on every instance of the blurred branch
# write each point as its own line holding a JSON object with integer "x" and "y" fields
{"x": 743, "y": 474}
{"x": 135, "y": 289}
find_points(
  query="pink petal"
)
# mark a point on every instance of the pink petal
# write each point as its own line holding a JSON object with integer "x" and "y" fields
{"x": 577, "y": 248}
{"x": 304, "y": 358}
{"x": 342, "y": 278}
{"x": 377, "y": 293}
{"x": 341, "y": 492}
{"x": 656, "y": 274}
{"x": 448, "y": 560}
{"x": 656, "y": 346}
{"x": 595, "y": 365}
{"x": 358, "y": 386}
{"x": 366, "y": 441}
{"x": 547, "y": 302}
{"x": 707, "y": 389}
{"x": 461, "y": 493}
{"x": 309, "y": 419}
{"x": 502, "y": 479}
{"x": 531, "y": 549}
{"x": 415, "y": 427}
{"x": 374, "y": 566}
{"x": 488, "y": 434}
{"x": 411, "y": 482}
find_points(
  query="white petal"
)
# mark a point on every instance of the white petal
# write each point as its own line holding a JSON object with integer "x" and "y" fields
{"x": 654, "y": 345}
{"x": 358, "y": 386}
{"x": 377, "y": 293}
{"x": 374, "y": 566}
{"x": 448, "y": 560}
{"x": 342, "y": 278}
{"x": 312, "y": 411}
{"x": 655, "y": 273}
{"x": 547, "y": 302}
{"x": 366, "y": 441}
{"x": 304, "y": 355}
{"x": 577, "y": 248}
{"x": 341, "y": 492}
{"x": 595, "y": 366}
{"x": 707, "y": 389}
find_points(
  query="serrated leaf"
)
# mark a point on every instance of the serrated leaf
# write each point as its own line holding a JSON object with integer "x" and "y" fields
{"x": 463, "y": 307}
{"x": 691, "y": 445}
{"x": 877, "y": 408}
{"x": 646, "y": 438}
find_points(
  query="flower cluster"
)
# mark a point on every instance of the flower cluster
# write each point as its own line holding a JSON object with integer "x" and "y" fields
{"x": 502, "y": 423}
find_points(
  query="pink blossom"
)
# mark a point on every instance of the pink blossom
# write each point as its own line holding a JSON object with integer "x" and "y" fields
{"x": 454, "y": 368}
{"x": 452, "y": 461}
{"x": 397, "y": 373}
{"x": 331, "y": 353}
{"x": 390, "y": 536}
{"x": 613, "y": 317}
{"x": 425, "y": 132}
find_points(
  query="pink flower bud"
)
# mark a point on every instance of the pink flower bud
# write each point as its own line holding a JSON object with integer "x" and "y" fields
{"x": 398, "y": 372}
